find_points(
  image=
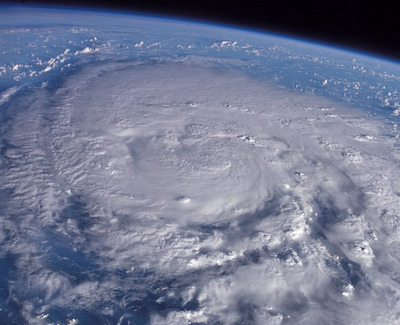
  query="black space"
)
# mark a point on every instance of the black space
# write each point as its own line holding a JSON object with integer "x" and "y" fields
{"x": 368, "y": 26}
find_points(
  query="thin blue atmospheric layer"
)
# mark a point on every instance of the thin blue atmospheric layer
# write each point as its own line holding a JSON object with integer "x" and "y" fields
{"x": 40, "y": 45}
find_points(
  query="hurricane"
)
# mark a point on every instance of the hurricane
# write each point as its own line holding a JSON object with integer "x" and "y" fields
{"x": 161, "y": 171}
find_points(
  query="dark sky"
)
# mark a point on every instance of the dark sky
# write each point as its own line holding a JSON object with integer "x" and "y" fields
{"x": 372, "y": 26}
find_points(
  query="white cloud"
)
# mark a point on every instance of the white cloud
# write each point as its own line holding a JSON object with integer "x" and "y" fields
{"x": 278, "y": 226}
